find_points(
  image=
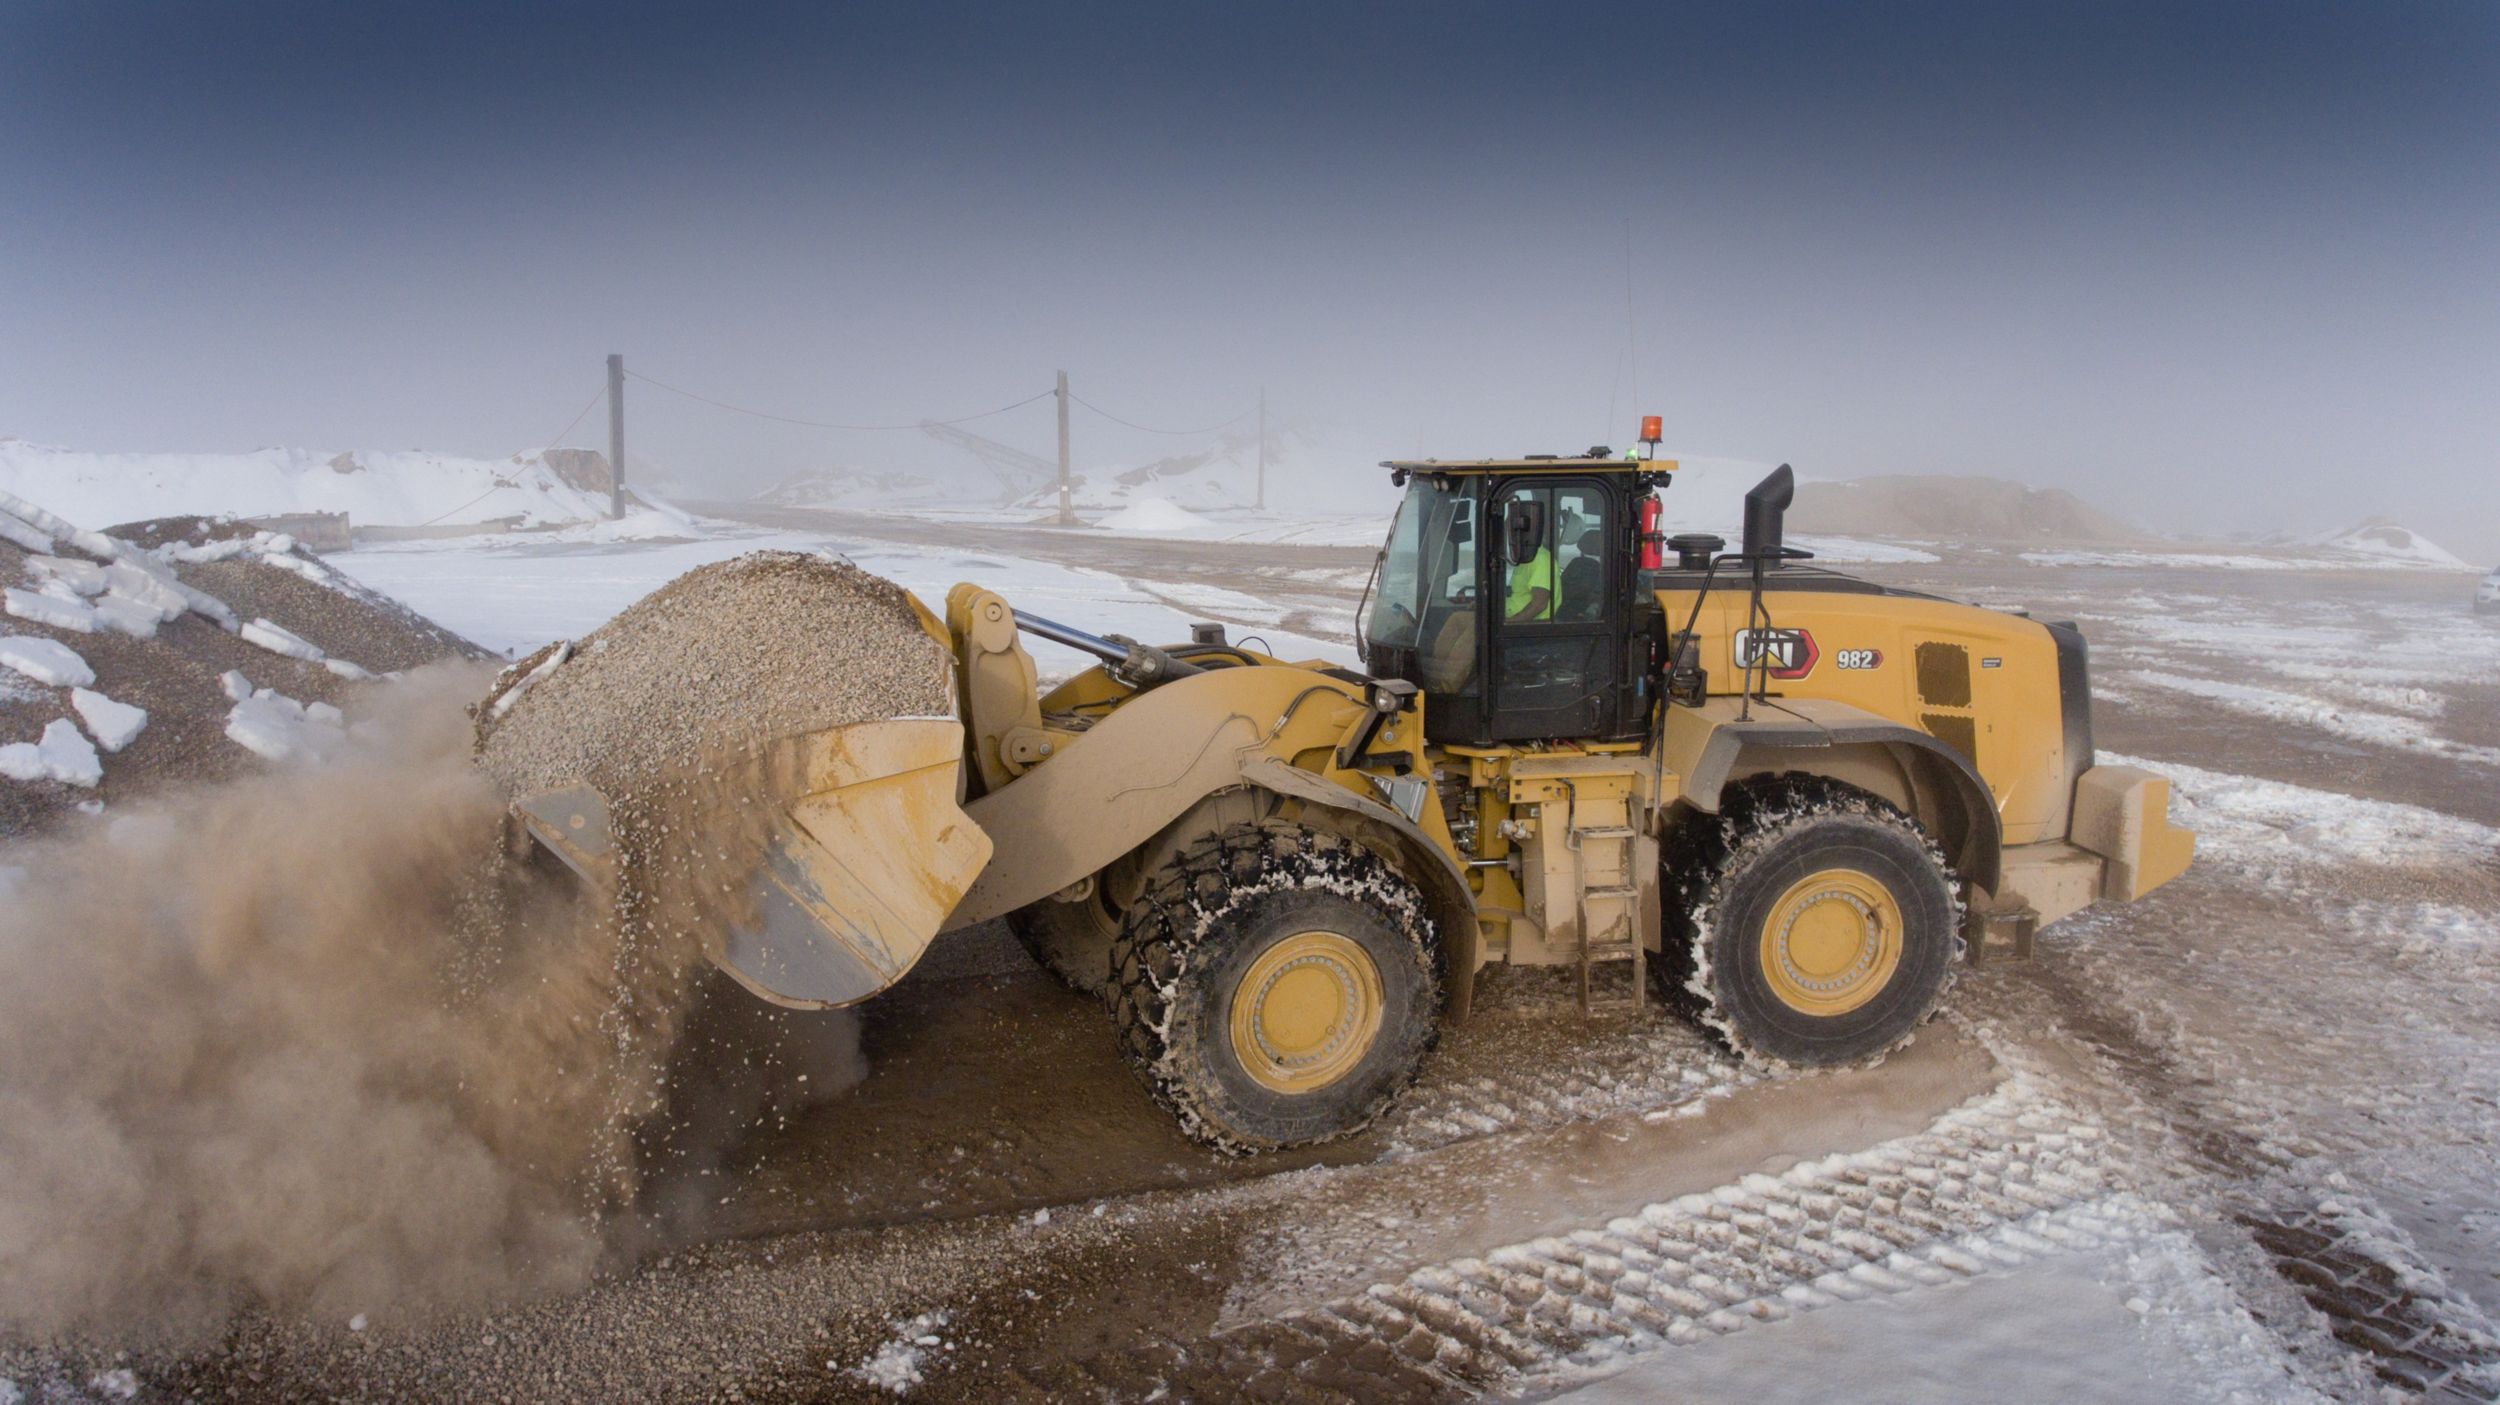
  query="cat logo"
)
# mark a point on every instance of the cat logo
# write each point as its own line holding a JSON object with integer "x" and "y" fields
{"x": 1784, "y": 654}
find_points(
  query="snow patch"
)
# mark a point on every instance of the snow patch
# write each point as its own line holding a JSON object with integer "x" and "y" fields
{"x": 45, "y": 660}
{"x": 112, "y": 723}
{"x": 1153, "y": 515}
{"x": 2257, "y": 823}
{"x": 64, "y": 754}
{"x": 278, "y": 728}
{"x": 26, "y": 537}
{"x": 37, "y": 608}
{"x": 896, "y": 1365}
{"x": 84, "y": 577}
{"x": 278, "y": 639}
{"x": 2377, "y": 728}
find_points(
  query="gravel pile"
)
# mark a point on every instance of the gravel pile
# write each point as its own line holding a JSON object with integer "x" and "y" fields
{"x": 720, "y": 660}
{"x": 176, "y": 674}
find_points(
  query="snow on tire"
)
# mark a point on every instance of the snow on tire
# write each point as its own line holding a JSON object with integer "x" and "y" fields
{"x": 1812, "y": 924}
{"x": 1275, "y": 985}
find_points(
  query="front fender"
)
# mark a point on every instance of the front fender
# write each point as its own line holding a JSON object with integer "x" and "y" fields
{"x": 1444, "y": 885}
{"x": 1137, "y": 770}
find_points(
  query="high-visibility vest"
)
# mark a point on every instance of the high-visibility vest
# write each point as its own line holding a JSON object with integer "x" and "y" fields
{"x": 1526, "y": 578}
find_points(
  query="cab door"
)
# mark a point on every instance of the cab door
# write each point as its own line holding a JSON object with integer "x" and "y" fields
{"x": 1552, "y": 600}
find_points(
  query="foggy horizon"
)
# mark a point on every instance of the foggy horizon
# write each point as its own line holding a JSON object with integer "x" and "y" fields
{"x": 2219, "y": 269}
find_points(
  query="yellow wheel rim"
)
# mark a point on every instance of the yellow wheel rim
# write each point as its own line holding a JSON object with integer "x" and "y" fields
{"x": 1306, "y": 1012}
{"x": 1831, "y": 942}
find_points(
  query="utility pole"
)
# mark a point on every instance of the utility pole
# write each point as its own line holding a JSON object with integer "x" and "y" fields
{"x": 1262, "y": 447}
{"x": 1067, "y": 510}
{"x": 616, "y": 435}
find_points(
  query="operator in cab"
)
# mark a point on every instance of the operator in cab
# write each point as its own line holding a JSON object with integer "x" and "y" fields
{"x": 1532, "y": 587}
{"x": 1531, "y": 594}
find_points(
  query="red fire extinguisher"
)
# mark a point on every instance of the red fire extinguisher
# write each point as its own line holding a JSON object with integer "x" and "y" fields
{"x": 1653, "y": 542}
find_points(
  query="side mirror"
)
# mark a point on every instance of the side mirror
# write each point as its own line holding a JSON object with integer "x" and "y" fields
{"x": 1766, "y": 512}
{"x": 1523, "y": 530}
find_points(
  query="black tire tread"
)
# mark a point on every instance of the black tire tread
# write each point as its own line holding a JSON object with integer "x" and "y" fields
{"x": 1705, "y": 855}
{"x": 1160, "y": 936}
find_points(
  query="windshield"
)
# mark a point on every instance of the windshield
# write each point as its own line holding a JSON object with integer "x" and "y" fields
{"x": 1427, "y": 595}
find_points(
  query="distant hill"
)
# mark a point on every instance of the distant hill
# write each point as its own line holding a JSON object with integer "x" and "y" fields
{"x": 1943, "y": 507}
{"x": 2378, "y": 537}
{"x": 540, "y": 488}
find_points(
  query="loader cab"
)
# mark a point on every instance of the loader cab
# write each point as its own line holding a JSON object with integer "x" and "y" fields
{"x": 1507, "y": 593}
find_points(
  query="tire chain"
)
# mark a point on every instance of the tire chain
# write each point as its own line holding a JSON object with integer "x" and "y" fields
{"x": 1153, "y": 950}
{"x": 1701, "y": 855}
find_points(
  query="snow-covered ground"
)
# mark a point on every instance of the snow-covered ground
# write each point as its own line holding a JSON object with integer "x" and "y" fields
{"x": 514, "y": 595}
{"x": 1983, "y": 1338}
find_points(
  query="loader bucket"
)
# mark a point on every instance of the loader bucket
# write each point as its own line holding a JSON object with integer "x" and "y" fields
{"x": 860, "y": 871}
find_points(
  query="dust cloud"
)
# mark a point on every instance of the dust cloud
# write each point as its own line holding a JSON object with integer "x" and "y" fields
{"x": 317, "y": 1042}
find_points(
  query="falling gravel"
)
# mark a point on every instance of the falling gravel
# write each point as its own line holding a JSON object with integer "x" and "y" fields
{"x": 393, "y": 1063}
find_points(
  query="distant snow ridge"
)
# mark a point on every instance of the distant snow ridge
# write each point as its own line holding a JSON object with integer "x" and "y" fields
{"x": 2377, "y": 537}
{"x": 540, "y": 488}
{"x": 859, "y": 488}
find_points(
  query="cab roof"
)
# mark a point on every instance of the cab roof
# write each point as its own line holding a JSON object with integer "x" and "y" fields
{"x": 1544, "y": 463}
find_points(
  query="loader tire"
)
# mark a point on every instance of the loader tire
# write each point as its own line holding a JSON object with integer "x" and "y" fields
{"x": 1275, "y": 985}
{"x": 1072, "y": 941}
{"x": 1811, "y": 925}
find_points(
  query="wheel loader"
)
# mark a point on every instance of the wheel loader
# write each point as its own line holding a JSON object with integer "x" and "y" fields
{"x": 1786, "y": 800}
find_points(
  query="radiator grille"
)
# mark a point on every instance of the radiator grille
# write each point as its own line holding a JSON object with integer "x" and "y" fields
{"x": 1943, "y": 674}
{"x": 1959, "y": 733}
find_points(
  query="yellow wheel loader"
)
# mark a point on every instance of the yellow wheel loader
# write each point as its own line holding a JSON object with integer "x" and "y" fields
{"x": 1790, "y": 800}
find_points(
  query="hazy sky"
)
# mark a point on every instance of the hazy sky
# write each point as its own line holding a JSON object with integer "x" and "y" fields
{"x": 2210, "y": 266}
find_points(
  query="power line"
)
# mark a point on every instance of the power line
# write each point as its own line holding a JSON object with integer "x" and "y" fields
{"x": 595, "y": 397}
{"x": 825, "y": 424}
{"x": 502, "y": 482}
{"x": 1150, "y": 429}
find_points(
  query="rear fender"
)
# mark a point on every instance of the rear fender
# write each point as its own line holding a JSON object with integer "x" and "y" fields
{"x": 1709, "y": 746}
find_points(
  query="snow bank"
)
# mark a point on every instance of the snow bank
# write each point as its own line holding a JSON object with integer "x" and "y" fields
{"x": 374, "y": 488}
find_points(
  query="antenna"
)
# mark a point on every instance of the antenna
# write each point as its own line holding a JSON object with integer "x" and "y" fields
{"x": 1631, "y": 321}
